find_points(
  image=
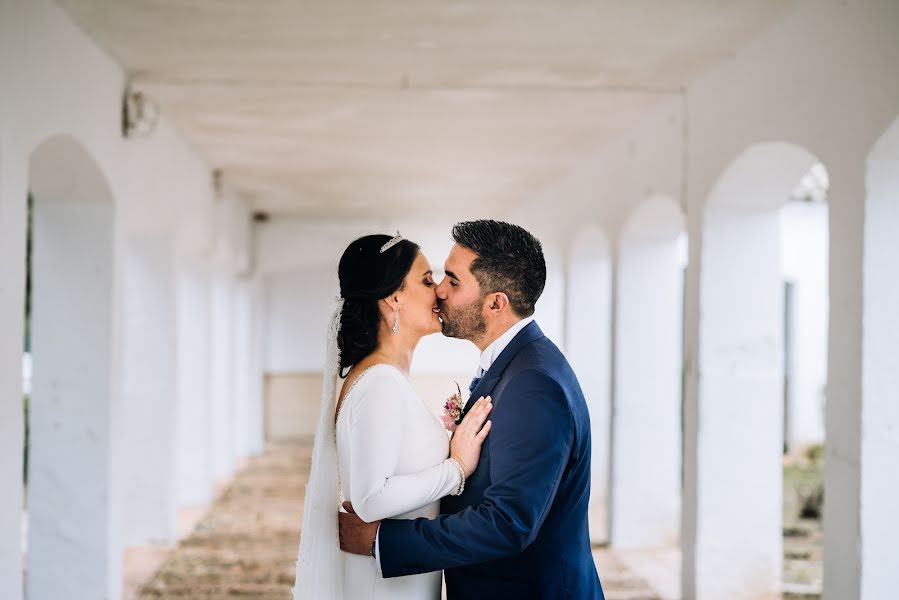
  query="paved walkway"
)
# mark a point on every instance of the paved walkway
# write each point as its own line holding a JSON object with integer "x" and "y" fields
{"x": 246, "y": 545}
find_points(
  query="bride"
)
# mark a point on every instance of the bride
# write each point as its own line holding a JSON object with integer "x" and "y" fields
{"x": 378, "y": 445}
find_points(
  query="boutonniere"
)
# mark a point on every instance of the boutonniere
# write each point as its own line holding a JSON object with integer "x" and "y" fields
{"x": 452, "y": 410}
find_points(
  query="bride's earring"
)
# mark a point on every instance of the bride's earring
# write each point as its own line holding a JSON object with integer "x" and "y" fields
{"x": 396, "y": 322}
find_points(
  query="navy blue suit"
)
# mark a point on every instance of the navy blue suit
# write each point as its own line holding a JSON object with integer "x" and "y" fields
{"x": 519, "y": 530}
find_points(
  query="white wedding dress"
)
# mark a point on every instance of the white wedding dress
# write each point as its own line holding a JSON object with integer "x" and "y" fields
{"x": 392, "y": 463}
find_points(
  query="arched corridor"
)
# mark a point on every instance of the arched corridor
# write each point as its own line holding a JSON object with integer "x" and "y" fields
{"x": 714, "y": 186}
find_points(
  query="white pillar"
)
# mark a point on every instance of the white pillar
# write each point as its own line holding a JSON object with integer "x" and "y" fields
{"x": 842, "y": 463}
{"x": 221, "y": 377}
{"x": 646, "y": 471}
{"x": 13, "y": 193}
{"x": 242, "y": 368}
{"x": 149, "y": 410}
{"x": 588, "y": 347}
{"x": 257, "y": 377}
{"x": 69, "y": 479}
{"x": 194, "y": 452}
{"x": 862, "y": 448}
{"x": 732, "y": 544}
{"x": 740, "y": 489}
{"x": 880, "y": 382}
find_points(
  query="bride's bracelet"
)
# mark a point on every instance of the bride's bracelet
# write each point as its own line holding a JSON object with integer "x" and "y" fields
{"x": 461, "y": 470}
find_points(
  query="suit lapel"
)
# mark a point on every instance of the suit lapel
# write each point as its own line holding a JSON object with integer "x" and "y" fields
{"x": 524, "y": 337}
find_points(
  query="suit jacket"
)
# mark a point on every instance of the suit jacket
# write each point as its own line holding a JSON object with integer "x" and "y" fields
{"x": 519, "y": 530}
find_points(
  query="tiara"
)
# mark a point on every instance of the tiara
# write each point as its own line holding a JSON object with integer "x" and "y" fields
{"x": 393, "y": 242}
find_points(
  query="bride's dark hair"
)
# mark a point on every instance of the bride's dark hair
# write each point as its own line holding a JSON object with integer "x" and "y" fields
{"x": 367, "y": 275}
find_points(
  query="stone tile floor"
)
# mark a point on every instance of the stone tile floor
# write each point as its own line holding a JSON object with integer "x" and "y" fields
{"x": 245, "y": 546}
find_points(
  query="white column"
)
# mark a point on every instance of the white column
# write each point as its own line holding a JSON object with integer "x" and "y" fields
{"x": 69, "y": 479}
{"x": 646, "y": 468}
{"x": 242, "y": 365}
{"x": 740, "y": 437}
{"x": 880, "y": 385}
{"x": 740, "y": 488}
{"x": 221, "y": 383}
{"x": 13, "y": 193}
{"x": 588, "y": 347}
{"x": 732, "y": 538}
{"x": 149, "y": 393}
{"x": 194, "y": 452}
{"x": 842, "y": 464}
{"x": 257, "y": 376}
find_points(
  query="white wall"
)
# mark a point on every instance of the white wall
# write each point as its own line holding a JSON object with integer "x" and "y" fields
{"x": 150, "y": 409}
{"x": 588, "y": 339}
{"x": 69, "y": 474}
{"x": 804, "y": 256}
{"x": 880, "y": 384}
{"x": 193, "y": 449}
{"x": 56, "y": 81}
{"x": 646, "y": 466}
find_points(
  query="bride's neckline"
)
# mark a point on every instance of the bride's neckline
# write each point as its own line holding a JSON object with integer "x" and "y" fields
{"x": 359, "y": 378}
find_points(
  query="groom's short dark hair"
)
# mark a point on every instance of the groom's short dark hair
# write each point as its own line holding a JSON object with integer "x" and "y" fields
{"x": 510, "y": 260}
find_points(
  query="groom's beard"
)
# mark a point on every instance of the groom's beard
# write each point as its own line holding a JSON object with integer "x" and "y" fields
{"x": 466, "y": 322}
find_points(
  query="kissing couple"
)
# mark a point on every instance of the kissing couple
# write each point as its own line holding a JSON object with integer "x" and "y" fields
{"x": 500, "y": 504}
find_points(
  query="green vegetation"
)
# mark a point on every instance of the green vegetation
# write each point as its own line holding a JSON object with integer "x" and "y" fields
{"x": 803, "y": 504}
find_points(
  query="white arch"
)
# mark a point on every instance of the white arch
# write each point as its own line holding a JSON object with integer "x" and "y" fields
{"x": 588, "y": 337}
{"x": 738, "y": 444}
{"x": 879, "y": 452}
{"x": 648, "y": 348}
{"x": 71, "y": 537}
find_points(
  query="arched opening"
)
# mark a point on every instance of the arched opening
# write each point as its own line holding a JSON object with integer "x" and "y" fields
{"x": 754, "y": 322}
{"x": 880, "y": 382}
{"x": 588, "y": 345}
{"x": 646, "y": 481}
{"x": 70, "y": 413}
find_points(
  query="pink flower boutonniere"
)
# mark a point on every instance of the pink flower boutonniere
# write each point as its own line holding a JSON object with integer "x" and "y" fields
{"x": 452, "y": 410}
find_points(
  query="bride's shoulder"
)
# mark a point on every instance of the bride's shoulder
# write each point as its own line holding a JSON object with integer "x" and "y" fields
{"x": 378, "y": 380}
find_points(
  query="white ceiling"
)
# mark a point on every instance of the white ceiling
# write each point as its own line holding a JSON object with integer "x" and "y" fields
{"x": 376, "y": 107}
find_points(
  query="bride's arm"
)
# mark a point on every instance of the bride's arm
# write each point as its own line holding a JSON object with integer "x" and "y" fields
{"x": 377, "y": 433}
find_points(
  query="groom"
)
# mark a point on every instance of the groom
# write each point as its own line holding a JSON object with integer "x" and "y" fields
{"x": 519, "y": 530}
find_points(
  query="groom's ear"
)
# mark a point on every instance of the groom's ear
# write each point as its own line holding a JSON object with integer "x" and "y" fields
{"x": 497, "y": 302}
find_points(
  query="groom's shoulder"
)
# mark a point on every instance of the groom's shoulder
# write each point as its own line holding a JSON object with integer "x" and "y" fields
{"x": 542, "y": 359}
{"x": 541, "y": 353}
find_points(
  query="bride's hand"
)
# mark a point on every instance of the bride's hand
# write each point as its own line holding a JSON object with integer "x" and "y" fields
{"x": 470, "y": 435}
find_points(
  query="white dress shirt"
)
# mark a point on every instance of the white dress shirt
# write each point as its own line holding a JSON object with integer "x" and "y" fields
{"x": 492, "y": 352}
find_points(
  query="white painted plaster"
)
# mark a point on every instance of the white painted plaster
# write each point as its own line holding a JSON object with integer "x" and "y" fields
{"x": 193, "y": 452}
{"x": 221, "y": 384}
{"x": 149, "y": 400}
{"x": 647, "y": 401}
{"x": 740, "y": 387}
{"x": 804, "y": 248}
{"x": 739, "y": 546}
{"x": 69, "y": 477}
{"x": 880, "y": 379}
{"x": 61, "y": 83}
{"x": 588, "y": 348}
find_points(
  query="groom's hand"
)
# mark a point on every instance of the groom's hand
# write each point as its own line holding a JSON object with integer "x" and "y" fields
{"x": 356, "y": 536}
